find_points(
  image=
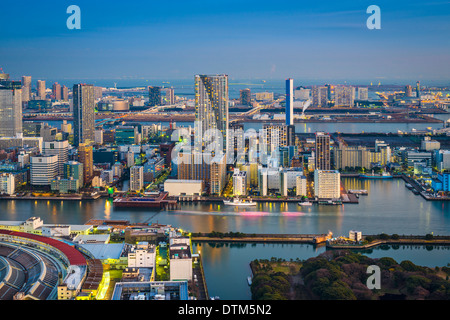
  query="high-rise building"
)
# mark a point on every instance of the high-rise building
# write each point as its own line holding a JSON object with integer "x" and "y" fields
{"x": 290, "y": 102}
{"x": 246, "y": 97}
{"x": 59, "y": 148}
{"x": 240, "y": 183}
{"x": 327, "y": 184}
{"x": 363, "y": 93}
{"x": 408, "y": 91}
{"x": 136, "y": 178}
{"x": 418, "y": 89}
{"x": 168, "y": 96}
{"x": 43, "y": 170}
{"x": 26, "y": 88}
{"x": 41, "y": 94}
{"x": 236, "y": 144}
{"x": 319, "y": 96}
{"x": 274, "y": 136}
{"x": 322, "y": 156}
{"x": 56, "y": 91}
{"x": 64, "y": 93}
{"x": 86, "y": 157}
{"x": 211, "y": 107}
{"x": 83, "y": 114}
{"x": 10, "y": 108}
{"x": 154, "y": 96}
{"x": 343, "y": 96}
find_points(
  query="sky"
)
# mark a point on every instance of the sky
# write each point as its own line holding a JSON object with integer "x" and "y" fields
{"x": 246, "y": 39}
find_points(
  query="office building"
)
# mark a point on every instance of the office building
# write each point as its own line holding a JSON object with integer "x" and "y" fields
{"x": 63, "y": 185}
{"x": 302, "y": 94}
{"x": 323, "y": 154}
{"x": 126, "y": 135}
{"x": 10, "y": 108}
{"x": 86, "y": 157}
{"x": 83, "y": 114}
{"x": 211, "y": 109}
{"x": 290, "y": 102}
{"x": 44, "y": 169}
{"x": 418, "y": 89}
{"x": 327, "y": 184}
{"x": 41, "y": 90}
{"x": 246, "y": 97}
{"x": 154, "y": 96}
{"x": 136, "y": 178}
{"x": 59, "y": 148}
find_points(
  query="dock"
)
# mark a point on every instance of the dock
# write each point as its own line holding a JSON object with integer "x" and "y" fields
{"x": 160, "y": 202}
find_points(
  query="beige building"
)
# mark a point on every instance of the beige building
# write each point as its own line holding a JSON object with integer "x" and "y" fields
{"x": 184, "y": 187}
{"x": 327, "y": 184}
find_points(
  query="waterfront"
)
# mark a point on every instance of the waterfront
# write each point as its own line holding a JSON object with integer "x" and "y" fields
{"x": 389, "y": 207}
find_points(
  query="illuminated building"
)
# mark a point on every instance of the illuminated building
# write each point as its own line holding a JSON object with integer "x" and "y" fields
{"x": 86, "y": 157}
{"x": 211, "y": 108}
{"x": 289, "y": 102}
{"x": 322, "y": 155}
{"x": 327, "y": 184}
{"x": 83, "y": 114}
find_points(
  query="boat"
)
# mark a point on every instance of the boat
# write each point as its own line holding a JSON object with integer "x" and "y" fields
{"x": 239, "y": 202}
{"x": 305, "y": 204}
{"x": 358, "y": 192}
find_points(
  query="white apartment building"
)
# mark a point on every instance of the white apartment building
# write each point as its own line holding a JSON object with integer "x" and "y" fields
{"x": 327, "y": 184}
{"x": 136, "y": 178}
{"x": 7, "y": 183}
{"x": 142, "y": 256}
{"x": 240, "y": 183}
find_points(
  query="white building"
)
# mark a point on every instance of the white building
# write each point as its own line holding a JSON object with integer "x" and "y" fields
{"x": 7, "y": 184}
{"x": 184, "y": 187}
{"x": 180, "y": 262}
{"x": 43, "y": 170}
{"x": 327, "y": 184}
{"x": 355, "y": 235}
{"x": 59, "y": 148}
{"x": 263, "y": 181}
{"x": 301, "y": 186}
{"x": 289, "y": 180}
{"x": 136, "y": 178}
{"x": 240, "y": 183}
{"x": 142, "y": 256}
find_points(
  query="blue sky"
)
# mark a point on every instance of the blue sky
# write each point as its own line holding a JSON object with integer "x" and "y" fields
{"x": 244, "y": 39}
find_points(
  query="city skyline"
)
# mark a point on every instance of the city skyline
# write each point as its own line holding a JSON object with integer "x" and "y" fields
{"x": 245, "y": 40}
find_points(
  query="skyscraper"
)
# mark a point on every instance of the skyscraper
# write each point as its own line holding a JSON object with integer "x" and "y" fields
{"x": 408, "y": 91}
{"x": 56, "y": 91}
{"x": 10, "y": 108}
{"x": 41, "y": 94}
{"x": 246, "y": 97}
{"x": 418, "y": 89}
{"x": 289, "y": 102}
{"x": 136, "y": 178}
{"x": 211, "y": 107}
{"x": 83, "y": 114}
{"x": 154, "y": 96}
{"x": 323, "y": 158}
{"x": 86, "y": 157}
{"x": 65, "y": 93}
{"x": 26, "y": 88}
